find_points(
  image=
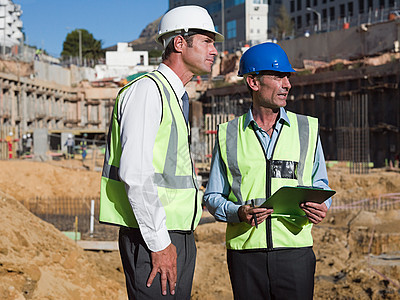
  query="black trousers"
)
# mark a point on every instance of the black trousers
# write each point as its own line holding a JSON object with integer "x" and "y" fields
{"x": 136, "y": 260}
{"x": 276, "y": 275}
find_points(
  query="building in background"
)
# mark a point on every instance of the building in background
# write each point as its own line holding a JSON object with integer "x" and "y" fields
{"x": 328, "y": 15}
{"x": 10, "y": 25}
{"x": 240, "y": 21}
{"x": 123, "y": 63}
{"x": 253, "y": 21}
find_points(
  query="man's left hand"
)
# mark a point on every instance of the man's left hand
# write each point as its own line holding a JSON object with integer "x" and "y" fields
{"x": 315, "y": 212}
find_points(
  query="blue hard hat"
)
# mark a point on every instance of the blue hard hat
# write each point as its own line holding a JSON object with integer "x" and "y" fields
{"x": 264, "y": 57}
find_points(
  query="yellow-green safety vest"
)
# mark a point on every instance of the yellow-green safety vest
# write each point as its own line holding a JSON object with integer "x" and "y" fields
{"x": 174, "y": 172}
{"x": 251, "y": 175}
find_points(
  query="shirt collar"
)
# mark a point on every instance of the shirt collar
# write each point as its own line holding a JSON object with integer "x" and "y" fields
{"x": 173, "y": 79}
{"x": 282, "y": 117}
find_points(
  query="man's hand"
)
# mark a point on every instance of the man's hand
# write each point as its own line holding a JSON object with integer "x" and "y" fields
{"x": 164, "y": 262}
{"x": 315, "y": 212}
{"x": 246, "y": 214}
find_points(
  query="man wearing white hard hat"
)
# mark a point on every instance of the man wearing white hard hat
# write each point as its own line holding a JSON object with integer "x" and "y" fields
{"x": 148, "y": 185}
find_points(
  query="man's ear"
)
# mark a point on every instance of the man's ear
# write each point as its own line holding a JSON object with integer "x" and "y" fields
{"x": 253, "y": 82}
{"x": 179, "y": 42}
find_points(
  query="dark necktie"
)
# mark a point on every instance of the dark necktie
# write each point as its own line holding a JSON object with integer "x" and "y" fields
{"x": 185, "y": 106}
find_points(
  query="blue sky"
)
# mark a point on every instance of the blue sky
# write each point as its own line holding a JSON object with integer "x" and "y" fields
{"x": 46, "y": 23}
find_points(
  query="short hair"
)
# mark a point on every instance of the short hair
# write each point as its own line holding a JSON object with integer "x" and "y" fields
{"x": 171, "y": 48}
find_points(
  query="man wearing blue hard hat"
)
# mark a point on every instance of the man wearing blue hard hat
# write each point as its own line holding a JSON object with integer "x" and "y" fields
{"x": 269, "y": 253}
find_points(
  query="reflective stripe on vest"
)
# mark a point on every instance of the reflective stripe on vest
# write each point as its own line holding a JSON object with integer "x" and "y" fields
{"x": 174, "y": 176}
{"x": 242, "y": 153}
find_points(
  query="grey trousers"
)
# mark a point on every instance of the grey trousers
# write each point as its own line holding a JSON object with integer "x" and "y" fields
{"x": 136, "y": 260}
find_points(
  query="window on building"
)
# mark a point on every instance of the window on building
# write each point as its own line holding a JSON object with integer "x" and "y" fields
{"x": 308, "y": 3}
{"x": 213, "y": 7}
{"x": 350, "y": 9}
{"x": 391, "y": 3}
{"x": 258, "y": 1}
{"x": 231, "y": 3}
{"x": 381, "y": 3}
{"x": 292, "y": 6}
{"x": 231, "y": 29}
{"x": 308, "y": 19}
{"x": 298, "y": 24}
{"x": 323, "y": 1}
{"x": 298, "y": 4}
{"x": 342, "y": 10}
{"x": 324, "y": 14}
{"x": 370, "y": 5}
{"x": 332, "y": 13}
{"x": 315, "y": 2}
{"x": 278, "y": 1}
{"x": 361, "y": 6}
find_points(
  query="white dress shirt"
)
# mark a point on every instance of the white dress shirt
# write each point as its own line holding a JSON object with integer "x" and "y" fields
{"x": 140, "y": 112}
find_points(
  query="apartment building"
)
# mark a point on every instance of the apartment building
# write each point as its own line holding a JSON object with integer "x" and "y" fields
{"x": 252, "y": 21}
{"x": 10, "y": 25}
{"x": 329, "y": 15}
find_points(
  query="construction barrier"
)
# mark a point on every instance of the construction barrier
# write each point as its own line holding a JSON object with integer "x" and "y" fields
{"x": 73, "y": 215}
{"x": 382, "y": 202}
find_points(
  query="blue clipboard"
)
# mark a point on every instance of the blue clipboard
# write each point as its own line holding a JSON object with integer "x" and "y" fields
{"x": 287, "y": 199}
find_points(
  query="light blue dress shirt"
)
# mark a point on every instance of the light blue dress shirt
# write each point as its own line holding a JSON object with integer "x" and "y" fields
{"x": 217, "y": 191}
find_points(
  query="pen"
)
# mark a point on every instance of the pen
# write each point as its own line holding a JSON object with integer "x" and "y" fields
{"x": 254, "y": 216}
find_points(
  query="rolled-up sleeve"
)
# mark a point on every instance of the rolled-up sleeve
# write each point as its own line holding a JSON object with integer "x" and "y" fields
{"x": 320, "y": 175}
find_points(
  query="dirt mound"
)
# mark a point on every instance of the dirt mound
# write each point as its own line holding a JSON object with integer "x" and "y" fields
{"x": 356, "y": 187}
{"x": 38, "y": 262}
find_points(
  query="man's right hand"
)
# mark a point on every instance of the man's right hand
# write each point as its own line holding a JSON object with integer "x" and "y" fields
{"x": 246, "y": 214}
{"x": 164, "y": 262}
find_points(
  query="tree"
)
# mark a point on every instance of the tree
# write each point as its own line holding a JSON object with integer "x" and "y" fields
{"x": 91, "y": 48}
{"x": 284, "y": 25}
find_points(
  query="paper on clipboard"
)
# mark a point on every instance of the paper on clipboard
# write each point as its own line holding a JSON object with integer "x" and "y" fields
{"x": 287, "y": 199}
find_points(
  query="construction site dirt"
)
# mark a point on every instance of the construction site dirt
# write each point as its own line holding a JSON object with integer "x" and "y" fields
{"x": 356, "y": 246}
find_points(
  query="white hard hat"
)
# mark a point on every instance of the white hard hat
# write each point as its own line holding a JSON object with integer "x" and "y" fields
{"x": 29, "y": 135}
{"x": 181, "y": 19}
{"x": 70, "y": 136}
{"x": 10, "y": 134}
{"x": 24, "y": 136}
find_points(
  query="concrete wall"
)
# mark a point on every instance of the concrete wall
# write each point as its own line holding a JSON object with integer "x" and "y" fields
{"x": 57, "y": 74}
{"x": 351, "y": 43}
{"x": 52, "y": 73}
{"x": 81, "y": 73}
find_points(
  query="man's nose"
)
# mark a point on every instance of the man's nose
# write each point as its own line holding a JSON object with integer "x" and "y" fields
{"x": 213, "y": 50}
{"x": 286, "y": 82}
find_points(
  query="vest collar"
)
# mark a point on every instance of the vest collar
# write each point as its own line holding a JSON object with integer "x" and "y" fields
{"x": 283, "y": 118}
